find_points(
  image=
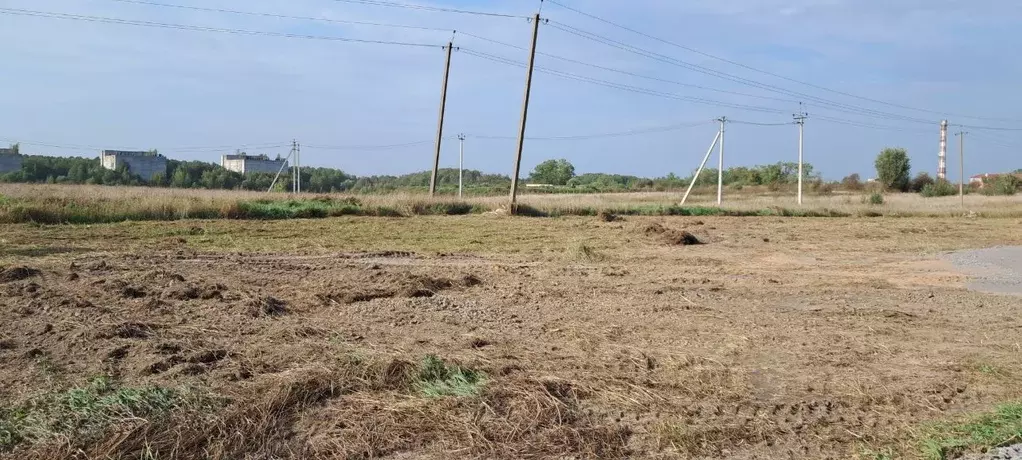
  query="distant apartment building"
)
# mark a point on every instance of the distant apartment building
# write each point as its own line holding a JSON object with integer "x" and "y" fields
{"x": 252, "y": 164}
{"x": 146, "y": 165}
{"x": 10, "y": 161}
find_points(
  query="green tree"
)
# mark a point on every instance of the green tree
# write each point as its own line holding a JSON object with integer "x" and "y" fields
{"x": 894, "y": 169}
{"x": 16, "y": 147}
{"x": 920, "y": 182}
{"x": 553, "y": 172}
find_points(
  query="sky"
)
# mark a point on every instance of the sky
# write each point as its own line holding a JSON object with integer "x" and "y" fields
{"x": 871, "y": 74}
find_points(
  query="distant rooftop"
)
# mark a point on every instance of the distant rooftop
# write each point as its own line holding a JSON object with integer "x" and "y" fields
{"x": 128, "y": 153}
{"x": 245, "y": 156}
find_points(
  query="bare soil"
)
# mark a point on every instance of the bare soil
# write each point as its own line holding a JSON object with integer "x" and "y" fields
{"x": 777, "y": 338}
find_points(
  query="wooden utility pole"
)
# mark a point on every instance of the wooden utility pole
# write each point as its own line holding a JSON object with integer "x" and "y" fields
{"x": 440, "y": 123}
{"x": 525, "y": 114}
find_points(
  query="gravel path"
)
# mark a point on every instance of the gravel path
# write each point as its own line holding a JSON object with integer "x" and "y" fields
{"x": 994, "y": 270}
{"x": 1004, "y": 453}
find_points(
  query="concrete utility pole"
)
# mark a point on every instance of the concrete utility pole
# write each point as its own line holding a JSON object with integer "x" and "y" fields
{"x": 525, "y": 114}
{"x": 961, "y": 154}
{"x": 942, "y": 156}
{"x": 282, "y": 166}
{"x": 440, "y": 123}
{"x": 461, "y": 165}
{"x": 294, "y": 168}
{"x": 702, "y": 165}
{"x": 800, "y": 120}
{"x": 298, "y": 159}
{"x": 720, "y": 165}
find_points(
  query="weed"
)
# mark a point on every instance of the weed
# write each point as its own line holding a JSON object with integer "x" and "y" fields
{"x": 939, "y": 188}
{"x": 869, "y": 453}
{"x": 83, "y": 413}
{"x": 438, "y": 379}
{"x": 999, "y": 428}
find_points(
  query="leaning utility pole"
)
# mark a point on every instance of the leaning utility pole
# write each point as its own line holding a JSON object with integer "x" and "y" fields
{"x": 525, "y": 114}
{"x": 294, "y": 147}
{"x": 961, "y": 154}
{"x": 440, "y": 123}
{"x": 800, "y": 120}
{"x": 461, "y": 164}
{"x": 720, "y": 165}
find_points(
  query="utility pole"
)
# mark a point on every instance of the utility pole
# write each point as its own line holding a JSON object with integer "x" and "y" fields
{"x": 298, "y": 156}
{"x": 282, "y": 166}
{"x": 461, "y": 165}
{"x": 440, "y": 123}
{"x": 702, "y": 165}
{"x": 942, "y": 156}
{"x": 294, "y": 168}
{"x": 720, "y": 165}
{"x": 800, "y": 120}
{"x": 525, "y": 114}
{"x": 961, "y": 154}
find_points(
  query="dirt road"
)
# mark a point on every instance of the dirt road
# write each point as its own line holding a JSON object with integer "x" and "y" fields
{"x": 995, "y": 270}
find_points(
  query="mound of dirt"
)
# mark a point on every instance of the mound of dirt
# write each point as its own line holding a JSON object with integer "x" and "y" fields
{"x": 671, "y": 236}
{"x": 267, "y": 306}
{"x": 10, "y": 274}
{"x": 409, "y": 287}
{"x": 607, "y": 216}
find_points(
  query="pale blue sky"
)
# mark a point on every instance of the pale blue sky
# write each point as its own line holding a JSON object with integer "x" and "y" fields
{"x": 96, "y": 84}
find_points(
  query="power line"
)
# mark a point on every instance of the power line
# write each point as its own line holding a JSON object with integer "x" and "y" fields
{"x": 860, "y": 124}
{"x": 753, "y": 123}
{"x": 623, "y": 87}
{"x": 281, "y": 16}
{"x": 765, "y": 72}
{"x": 633, "y": 132}
{"x": 988, "y": 128}
{"x": 131, "y": 22}
{"x": 629, "y": 73}
{"x": 192, "y": 149}
{"x": 367, "y": 147}
{"x": 838, "y": 106}
{"x": 429, "y": 8}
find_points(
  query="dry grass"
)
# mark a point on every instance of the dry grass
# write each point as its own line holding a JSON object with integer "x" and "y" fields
{"x": 93, "y": 204}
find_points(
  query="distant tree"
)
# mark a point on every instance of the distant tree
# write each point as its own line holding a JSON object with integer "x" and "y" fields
{"x": 852, "y": 182}
{"x": 894, "y": 169}
{"x": 553, "y": 172}
{"x": 920, "y": 182}
{"x": 16, "y": 147}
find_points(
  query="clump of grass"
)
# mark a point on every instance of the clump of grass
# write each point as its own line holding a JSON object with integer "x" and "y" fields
{"x": 997, "y": 429}
{"x": 83, "y": 413}
{"x": 581, "y": 252}
{"x": 438, "y": 379}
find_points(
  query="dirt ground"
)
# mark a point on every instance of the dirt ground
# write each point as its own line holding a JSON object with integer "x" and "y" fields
{"x": 776, "y": 339}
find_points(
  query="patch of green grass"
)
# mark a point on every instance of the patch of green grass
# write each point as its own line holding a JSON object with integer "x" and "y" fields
{"x": 869, "y": 453}
{"x": 997, "y": 429}
{"x": 83, "y": 413}
{"x": 438, "y": 379}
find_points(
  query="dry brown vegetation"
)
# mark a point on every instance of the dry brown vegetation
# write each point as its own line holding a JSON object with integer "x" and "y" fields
{"x": 496, "y": 337}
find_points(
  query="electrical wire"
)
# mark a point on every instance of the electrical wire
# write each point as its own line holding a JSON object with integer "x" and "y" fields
{"x": 281, "y": 16}
{"x": 715, "y": 73}
{"x": 765, "y": 72}
{"x": 437, "y": 9}
{"x": 194, "y": 149}
{"x": 368, "y": 147}
{"x": 632, "y": 74}
{"x": 131, "y": 22}
{"x": 859, "y": 124}
{"x": 634, "y": 132}
{"x": 740, "y": 122}
{"x": 623, "y": 87}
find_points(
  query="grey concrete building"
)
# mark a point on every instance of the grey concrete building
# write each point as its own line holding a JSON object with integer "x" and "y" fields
{"x": 146, "y": 165}
{"x": 9, "y": 161}
{"x": 251, "y": 164}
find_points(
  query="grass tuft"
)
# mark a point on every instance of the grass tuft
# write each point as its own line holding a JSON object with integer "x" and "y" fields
{"x": 581, "y": 252}
{"x": 1000, "y": 428}
{"x": 438, "y": 379}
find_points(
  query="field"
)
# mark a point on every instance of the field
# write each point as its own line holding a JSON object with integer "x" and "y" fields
{"x": 488, "y": 336}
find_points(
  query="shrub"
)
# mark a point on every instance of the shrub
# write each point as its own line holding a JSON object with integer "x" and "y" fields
{"x": 920, "y": 182}
{"x": 938, "y": 188}
{"x": 1004, "y": 185}
{"x": 852, "y": 182}
{"x": 875, "y": 199}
